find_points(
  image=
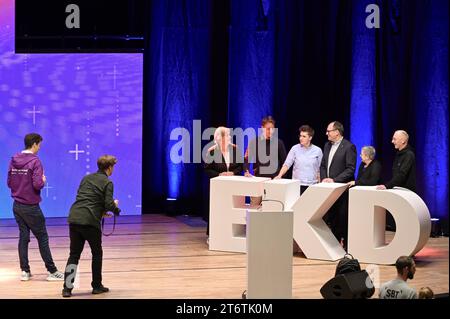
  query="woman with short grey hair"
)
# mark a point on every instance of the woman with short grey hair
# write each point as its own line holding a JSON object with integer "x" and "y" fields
{"x": 369, "y": 151}
{"x": 369, "y": 172}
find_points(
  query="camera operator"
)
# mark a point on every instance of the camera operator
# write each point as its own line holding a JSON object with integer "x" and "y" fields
{"x": 94, "y": 199}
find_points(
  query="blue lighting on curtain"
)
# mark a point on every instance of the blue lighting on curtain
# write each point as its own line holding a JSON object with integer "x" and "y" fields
{"x": 179, "y": 59}
{"x": 174, "y": 178}
{"x": 431, "y": 104}
{"x": 363, "y": 79}
{"x": 251, "y": 62}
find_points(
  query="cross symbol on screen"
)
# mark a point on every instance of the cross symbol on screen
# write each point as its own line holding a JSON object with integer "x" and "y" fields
{"x": 76, "y": 152}
{"x": 34, "y": 112}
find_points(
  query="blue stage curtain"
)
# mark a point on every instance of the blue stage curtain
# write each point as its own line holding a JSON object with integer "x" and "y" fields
{"x": 251, "y": 62}
{"x": 429, "y": 99}
{"x": 412, "y": 92}
{"x": 363, "y": 79}
{"x": 177, "y": 90}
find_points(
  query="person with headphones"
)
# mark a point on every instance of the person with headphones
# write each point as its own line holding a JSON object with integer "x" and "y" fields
{"x": 404, "y": 166}
{"x": 94, "y": 199}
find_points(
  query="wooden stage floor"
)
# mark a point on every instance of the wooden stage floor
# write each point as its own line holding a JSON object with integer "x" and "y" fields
{"x": 156, "y": 256}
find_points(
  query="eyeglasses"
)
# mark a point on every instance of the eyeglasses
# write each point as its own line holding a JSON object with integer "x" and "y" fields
{"x": 328, "y": 131}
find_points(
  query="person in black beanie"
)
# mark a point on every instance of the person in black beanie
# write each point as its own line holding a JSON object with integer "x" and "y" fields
{"x": 94, "y": 199}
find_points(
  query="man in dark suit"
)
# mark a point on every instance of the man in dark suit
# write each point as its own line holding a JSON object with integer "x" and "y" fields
{"x": 338, "y": 166}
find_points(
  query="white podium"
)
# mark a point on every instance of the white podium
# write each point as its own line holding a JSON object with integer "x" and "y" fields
{"x": 269, "y": 254}
{"x": 279, "y": 191}
{"x": 227, "y": 210}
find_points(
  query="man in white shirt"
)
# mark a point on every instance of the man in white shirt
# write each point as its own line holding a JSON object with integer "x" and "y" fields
{"x": 306, "y": 158}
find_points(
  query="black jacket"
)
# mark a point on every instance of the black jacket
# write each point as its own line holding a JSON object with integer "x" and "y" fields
{"x": 404, "y": 170}
{"x": 343, "y": 165}
{"x": 215, "y": 162}
{"x": 94, "y": 198}
{"x": 370, "y": 175}
{"x": 252, "y": 156}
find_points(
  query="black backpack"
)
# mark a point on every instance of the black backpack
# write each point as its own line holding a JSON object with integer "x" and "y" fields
{"x": 347, "y": 265}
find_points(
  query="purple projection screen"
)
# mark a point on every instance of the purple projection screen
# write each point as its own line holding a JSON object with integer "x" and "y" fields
{"x": 83, "y": 105}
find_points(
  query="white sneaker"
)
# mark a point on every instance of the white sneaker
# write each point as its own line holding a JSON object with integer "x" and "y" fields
{"x": 56, "y": 276}
{"x": 25, "y": 276}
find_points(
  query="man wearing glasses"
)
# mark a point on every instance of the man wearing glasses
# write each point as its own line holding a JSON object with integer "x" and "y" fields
{"x": 338, "y": 166}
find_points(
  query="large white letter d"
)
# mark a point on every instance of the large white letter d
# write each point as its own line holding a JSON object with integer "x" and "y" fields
{"x": 367, "y": 220}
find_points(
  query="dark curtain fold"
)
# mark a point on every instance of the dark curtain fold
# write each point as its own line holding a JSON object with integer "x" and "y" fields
{"x": 177, "y": 79}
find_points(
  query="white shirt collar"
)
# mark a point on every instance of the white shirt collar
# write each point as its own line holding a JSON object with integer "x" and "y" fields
{"x": 337, "y": 142}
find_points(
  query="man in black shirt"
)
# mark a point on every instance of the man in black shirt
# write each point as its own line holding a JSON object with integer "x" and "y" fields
{"x": 94, "y": 200}
{"x": 267, "y": 153}
{"x": 404, "y": 166}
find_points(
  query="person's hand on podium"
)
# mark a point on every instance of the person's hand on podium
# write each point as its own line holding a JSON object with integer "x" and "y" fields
{"x": 351, "y": 184}
{"x": 381, "y": 187}
{"x": 277, "y": 177}
{"x": 226, "y": 174}
{"x": 247, "y": 174}
{"x": 327, "y": 180}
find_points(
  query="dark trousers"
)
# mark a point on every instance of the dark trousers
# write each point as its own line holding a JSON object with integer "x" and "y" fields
{"x": 30, "y": 217}
{"x": 79, "y": 234}
{"x": 337, "y": 218}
